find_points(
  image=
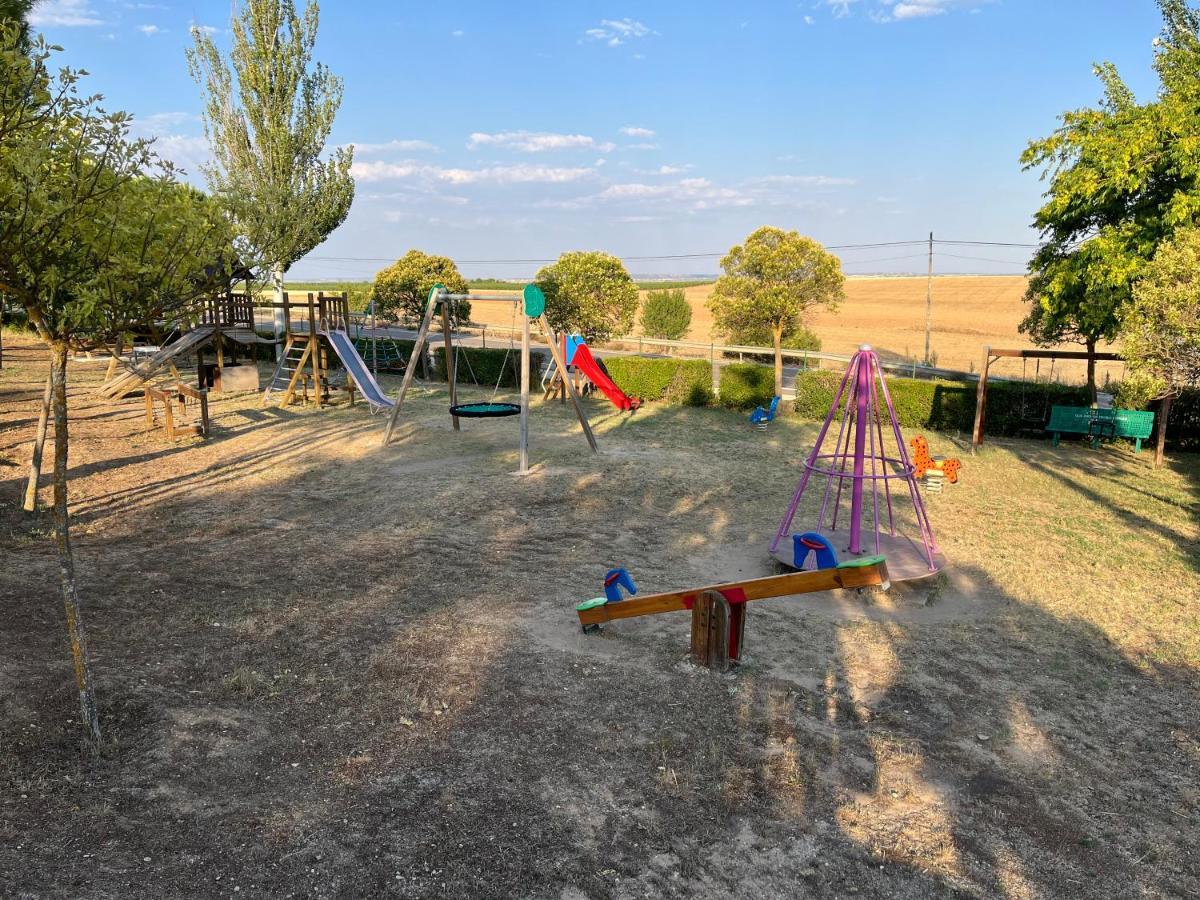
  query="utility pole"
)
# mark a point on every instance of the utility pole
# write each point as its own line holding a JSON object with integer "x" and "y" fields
{"x": 929, "y": 302}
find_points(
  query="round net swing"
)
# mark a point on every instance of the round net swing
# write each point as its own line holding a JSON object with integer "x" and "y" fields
{"x": 485, "y": 410}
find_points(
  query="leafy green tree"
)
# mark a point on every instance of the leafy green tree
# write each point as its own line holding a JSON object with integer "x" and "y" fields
{"x": 17, "y": 11}
{"x": 78, "y": 214}
{"x": 666, "y": 314}
{"x": 589, "y": 293}
{"x": 268, "y": 114}
{"x": 402, "y": 289}
{"x": 1122, "y": 177}
{"x": 770, "y": 282}
{"x": 1160, "y": 327}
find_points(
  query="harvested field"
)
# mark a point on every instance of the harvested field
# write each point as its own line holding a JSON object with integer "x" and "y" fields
{"x": 330, "y": 669}
{"x": 969, "y": 313}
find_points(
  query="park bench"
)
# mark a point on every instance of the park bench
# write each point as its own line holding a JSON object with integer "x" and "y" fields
{"x": 1101, "y": 424}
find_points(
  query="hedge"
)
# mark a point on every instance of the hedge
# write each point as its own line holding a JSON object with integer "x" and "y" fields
{"x": 485, "y": 365}
{"x": 687, "y": 382}
{"x": 949, "y": 405}
{"x": 745, "y": 386}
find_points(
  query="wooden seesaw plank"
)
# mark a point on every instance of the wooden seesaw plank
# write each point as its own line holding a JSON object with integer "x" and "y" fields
{"x": 756, "y": 589}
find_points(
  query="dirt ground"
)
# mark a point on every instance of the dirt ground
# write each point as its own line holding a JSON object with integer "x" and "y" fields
{"x": 969, "y": 313}
{"x": 330, "y": 669}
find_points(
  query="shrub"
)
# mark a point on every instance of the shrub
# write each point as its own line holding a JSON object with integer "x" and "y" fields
{"x": 745, "y": 386}
{"x": 485, "y": 365}
{"x": 948, "y": 405}
{"x": 589, "y": 293}
{"x": 666, "y": 315}
{"x": 687, "y": 382}
{"x": 402, "y": 289}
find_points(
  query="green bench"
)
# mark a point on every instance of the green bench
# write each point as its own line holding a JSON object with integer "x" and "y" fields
{"x": 1101, "y": 423}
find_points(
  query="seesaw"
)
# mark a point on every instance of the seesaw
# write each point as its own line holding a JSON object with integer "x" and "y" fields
{"x": 719, "y": 610}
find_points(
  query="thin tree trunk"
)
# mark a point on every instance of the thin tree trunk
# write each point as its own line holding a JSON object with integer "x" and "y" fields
{"x": 66, "y": 560}
{"x": 39, "y": 444}
{"x": 1160, "y": 441}
{"x": 777, "y": 336}
{"x": 1091, "y": 370}
{"x": 117, "y": 350}
{"x": 280, "y": 325}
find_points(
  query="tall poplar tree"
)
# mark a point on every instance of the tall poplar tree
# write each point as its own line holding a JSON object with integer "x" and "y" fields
{"x": 268, "y": 114}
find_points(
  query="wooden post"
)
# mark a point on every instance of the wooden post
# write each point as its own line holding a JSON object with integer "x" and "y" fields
{"x": 39, "y": 444}
{"x": 524, "y": 393}
{"x": 981, "y": 401}
{"x": 410, "y": 369}
{"x": 116, "y": 359}
{"x": 1160, "y": 441}
{"x": 558, "y": 361}
{"x": 451, "y": 375}
{"x": 718, "y": 629}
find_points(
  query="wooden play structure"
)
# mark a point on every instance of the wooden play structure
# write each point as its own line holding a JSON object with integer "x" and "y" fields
{"x": 225, "y": 323}
{"x": 719, "y": 610}
{"x": 189, "y": 423}
{"x": 532, "y": 305}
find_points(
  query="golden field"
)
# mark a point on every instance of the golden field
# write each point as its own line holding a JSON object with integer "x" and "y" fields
{"x": 969, "y": 313}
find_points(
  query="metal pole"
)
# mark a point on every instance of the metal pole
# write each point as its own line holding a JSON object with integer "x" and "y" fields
{"x": 861, "y": 426}
{"x": 524, "y": 394}
{"x": 929, "y": 303}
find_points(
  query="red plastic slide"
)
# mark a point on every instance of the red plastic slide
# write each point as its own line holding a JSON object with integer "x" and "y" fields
{"x": 586, "y": 363}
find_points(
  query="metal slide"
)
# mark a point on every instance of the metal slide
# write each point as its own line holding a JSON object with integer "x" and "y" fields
{"x": 343, "y": 346}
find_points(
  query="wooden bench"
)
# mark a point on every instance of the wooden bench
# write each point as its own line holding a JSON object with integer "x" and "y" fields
{"x": 1101, "y": 424}
{"x": 168, "y": 396}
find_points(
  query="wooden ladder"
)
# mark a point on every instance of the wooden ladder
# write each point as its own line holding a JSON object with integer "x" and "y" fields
{"x": 295, "y": 354}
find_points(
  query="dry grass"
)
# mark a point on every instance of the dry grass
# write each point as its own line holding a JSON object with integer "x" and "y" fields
{"x": 333, "y": 669}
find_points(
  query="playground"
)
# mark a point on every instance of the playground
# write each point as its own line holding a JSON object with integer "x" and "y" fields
{"x": 333, "y": 667}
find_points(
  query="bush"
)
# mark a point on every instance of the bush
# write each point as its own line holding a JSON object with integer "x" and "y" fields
{"x": 686, "y": 382}
{"x": 666, "y": 315}
{"x": 485, "y": 365}
{"x": 949, "y": 405}
{"x": 745, "y": 386}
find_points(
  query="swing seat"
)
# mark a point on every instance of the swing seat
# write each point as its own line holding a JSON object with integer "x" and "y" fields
{"x": 485, "y": 410}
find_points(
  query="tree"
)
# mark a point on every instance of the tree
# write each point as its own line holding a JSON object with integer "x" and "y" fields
{"x": 1122, "y": 178}
{"x": 17, "y": 12}
{"x": 402, "y": 289}
{"x": 268, "y": 119}
{"x": 74, "y": 204}
{"x": 1160, "y": 327}
{"x": 770, "y": 281}
{"x": 666, "y": 315}
{"x": 589, "y": 293}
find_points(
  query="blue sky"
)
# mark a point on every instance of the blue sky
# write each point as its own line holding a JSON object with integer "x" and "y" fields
{"x": 515, "y": 131}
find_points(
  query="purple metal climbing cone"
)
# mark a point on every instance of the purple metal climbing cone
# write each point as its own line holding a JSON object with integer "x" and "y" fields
{"x": 869, "y": 462}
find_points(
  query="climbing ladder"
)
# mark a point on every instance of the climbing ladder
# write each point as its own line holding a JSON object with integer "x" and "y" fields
{"x": 287, "y": 372}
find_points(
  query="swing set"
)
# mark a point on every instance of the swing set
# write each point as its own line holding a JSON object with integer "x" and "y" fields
{"x": 533, "y": 307}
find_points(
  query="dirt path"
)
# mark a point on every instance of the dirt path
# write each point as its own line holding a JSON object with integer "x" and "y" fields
{"x": 327, "y": 669}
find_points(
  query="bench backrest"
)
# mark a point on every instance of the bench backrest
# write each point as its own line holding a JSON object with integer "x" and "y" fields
{"x": 1130, "y": 423}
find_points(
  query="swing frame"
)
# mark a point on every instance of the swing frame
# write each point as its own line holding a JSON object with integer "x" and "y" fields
{"x": 533, "y": 307}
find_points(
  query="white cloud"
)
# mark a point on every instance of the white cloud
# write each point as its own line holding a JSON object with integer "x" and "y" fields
{"x": 457, "y": 32}
{"x": 801, "y": 181}
{"x": 809, "y": 20}
{"x": 150, "y": 30}
{"x": 841, "y": 8}
{"x": 64, "y": 14}
{"x": 899, "y": 10}
{"x": 615, "y": 32}
{"x": 205, "y": 29}
{"x": 402, "y": 146}
{"x": 637, "y": 132}
{"x": 518, "y": 174}
{"x": 538, "y": 141}
{"x": 667, "y": 170}
{"x": 642, "y": 146}
{"x": 172, "y": 140}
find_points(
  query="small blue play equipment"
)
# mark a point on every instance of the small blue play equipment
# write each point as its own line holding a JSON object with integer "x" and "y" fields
{"x": 573, "y": 343}
{"x": 761, "y": 417}
{"x": 811, "y": 542}
{"x": 614, "y": 581}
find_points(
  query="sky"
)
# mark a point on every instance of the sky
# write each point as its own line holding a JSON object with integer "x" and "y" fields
{"x": 504, "y": 133}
